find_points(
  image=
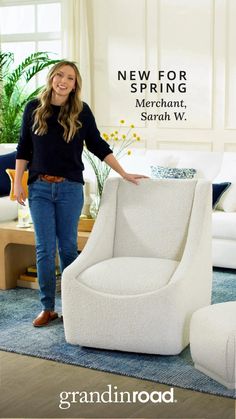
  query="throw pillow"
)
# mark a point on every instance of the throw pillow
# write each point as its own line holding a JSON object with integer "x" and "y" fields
{"x": 160, "y": 172}
{"x": 227, "y": 202}
{"x": 11, "y": 173}
{"x": 218, "y": 189}
{"x": 6, "y": 161}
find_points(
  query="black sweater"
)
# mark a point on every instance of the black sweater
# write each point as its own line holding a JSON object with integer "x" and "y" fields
{"x": 50, "y": 154}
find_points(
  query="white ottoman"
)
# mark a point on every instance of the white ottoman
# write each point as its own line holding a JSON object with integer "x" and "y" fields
{"x": 213, "y": 342}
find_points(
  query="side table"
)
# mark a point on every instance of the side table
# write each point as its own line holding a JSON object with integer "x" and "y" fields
{"x": 17, "y": 251}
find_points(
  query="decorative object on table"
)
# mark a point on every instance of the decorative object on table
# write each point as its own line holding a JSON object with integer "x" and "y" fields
{"x": 12, "y": 173}
{"x": 159, "y": 172}
{"x": 87, "y": 199}
{"x": 119, "y": 142}
{"x": 24, "y": 215}
{"x": 95, "y": 204}
{"x": 86, "y": 222}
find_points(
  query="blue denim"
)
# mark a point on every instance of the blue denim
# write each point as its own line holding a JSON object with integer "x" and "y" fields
{"x": 55, "y": 210}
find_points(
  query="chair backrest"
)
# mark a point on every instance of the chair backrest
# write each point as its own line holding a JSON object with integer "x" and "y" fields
{"x": 152, "y": 218}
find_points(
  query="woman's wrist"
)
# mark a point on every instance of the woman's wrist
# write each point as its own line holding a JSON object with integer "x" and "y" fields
{"x": 18, "y": 181}
{"x": 123, "y": 174}
{"x": 115, "y": 165}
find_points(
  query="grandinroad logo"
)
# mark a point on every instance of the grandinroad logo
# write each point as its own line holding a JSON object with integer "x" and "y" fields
{"x": 112, "y": 395}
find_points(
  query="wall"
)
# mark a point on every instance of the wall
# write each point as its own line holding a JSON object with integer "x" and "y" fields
{"x": 195, "y": 36}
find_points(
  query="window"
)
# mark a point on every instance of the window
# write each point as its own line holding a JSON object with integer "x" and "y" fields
{"x": 30, "y": 26}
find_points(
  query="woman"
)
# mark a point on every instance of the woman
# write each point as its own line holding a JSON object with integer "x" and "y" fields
{"x": 54, "y": 127}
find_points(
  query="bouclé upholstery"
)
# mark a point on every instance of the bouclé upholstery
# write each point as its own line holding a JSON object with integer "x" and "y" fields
{"x": 112, "y": 300}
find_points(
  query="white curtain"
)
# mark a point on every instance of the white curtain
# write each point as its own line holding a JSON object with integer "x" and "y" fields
{"x": 75, "y": 40}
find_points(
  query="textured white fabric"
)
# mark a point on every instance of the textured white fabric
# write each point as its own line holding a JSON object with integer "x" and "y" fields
{"x": 213, "y": 342}
{"x": 8, "y": 209}
{"x": 227, "y": 170}
{"x": 223, "y": 253}
{"x": 224, "y": 225}
{"x": 137, "y": 234}
{"x": 206, "y": 163}
{"x": 141, "y": 275}
{"x": 156, "y": 321}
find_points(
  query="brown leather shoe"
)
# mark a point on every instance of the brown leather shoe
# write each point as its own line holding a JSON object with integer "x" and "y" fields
{"x": 44, "y": 318}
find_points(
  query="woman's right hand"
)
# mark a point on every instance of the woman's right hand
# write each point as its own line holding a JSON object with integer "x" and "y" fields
{"x": 19, "y": 193}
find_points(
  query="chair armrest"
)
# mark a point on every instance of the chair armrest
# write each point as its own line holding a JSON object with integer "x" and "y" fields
{"x": 101, "y": 240}
{"x": 198, "y": 247}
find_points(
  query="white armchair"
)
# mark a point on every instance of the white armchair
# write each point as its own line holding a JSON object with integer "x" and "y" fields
{"x": 145, "y": 269}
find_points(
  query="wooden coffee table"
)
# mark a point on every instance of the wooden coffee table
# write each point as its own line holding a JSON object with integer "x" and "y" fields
{"x": 17, "y": 251}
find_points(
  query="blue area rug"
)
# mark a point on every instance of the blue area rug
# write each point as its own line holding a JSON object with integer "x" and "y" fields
{"x": 19, "y": 306}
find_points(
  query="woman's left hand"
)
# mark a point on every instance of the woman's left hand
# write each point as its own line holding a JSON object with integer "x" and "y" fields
{"x": 133, "y": 177}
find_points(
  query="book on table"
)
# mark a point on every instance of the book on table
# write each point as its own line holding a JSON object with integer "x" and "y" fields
{"x": 30, "y": 280}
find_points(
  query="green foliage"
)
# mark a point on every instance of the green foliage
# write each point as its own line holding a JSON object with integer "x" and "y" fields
{"x": 13, "y": 90}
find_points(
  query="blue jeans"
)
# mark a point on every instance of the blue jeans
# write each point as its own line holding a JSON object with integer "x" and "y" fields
{"x": 55, "y": 210}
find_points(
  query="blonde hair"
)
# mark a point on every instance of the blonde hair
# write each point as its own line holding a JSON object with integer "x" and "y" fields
{"x": 68, "y": 115}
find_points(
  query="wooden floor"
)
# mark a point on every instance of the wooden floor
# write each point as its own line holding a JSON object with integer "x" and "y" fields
{"x": 30, "y": 388}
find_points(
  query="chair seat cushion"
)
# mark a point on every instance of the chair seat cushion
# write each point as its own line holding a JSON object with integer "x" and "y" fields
{"x": 129, "y": 275}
